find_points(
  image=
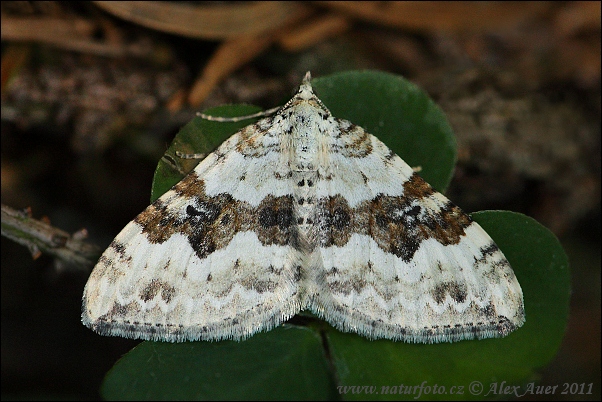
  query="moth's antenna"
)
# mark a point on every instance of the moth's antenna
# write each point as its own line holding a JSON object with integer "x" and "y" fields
{"x": 238, "y": 118}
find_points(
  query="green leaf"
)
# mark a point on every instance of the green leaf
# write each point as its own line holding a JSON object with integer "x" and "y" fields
{"x": 200, "y": 136}
{"x": 541, "y": 267}
{"x": 287, "y": 363}
{"x": 293, "y": 362}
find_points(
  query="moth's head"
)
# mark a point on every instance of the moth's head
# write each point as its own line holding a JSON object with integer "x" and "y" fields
{"x": 306, "y": 96}
{"x": 306, "y": 92}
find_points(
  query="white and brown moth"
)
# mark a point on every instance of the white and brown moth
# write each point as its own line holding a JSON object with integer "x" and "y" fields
{"x": 303, "y": 211}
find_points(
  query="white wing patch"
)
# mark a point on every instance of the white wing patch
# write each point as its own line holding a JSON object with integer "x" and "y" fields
{"x": 303, "y": 211}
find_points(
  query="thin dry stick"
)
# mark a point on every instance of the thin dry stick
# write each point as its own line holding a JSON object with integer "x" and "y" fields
{"x": 40, "y": 237}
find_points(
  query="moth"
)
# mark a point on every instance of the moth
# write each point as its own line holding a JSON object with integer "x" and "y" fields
{"x": 303, "y": 211}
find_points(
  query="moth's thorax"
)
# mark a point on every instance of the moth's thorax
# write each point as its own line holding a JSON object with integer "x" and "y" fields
{"x": 308, "y": 143}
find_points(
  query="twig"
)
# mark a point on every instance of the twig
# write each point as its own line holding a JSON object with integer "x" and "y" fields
{"x": 236, "y": 52}
{"x": 69, "y": 250}
{"x": 314, "y": 31}
{"x": 76, "y": 35}
{"x": 207, "y": 20}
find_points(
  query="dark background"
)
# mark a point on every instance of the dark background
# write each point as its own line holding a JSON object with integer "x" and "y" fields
{"x": 83, "y": 127}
